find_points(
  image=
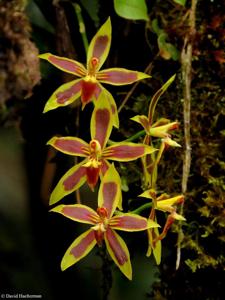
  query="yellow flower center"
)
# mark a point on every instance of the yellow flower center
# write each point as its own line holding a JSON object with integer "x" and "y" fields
{"x": 103, "y": 220}
{"x": 95, "y": 151}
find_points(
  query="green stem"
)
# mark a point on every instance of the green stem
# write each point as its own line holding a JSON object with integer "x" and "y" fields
{"x": 81, "y": 26}
{"x": 141, "y": 208}
{"x": 130, "y": 139}
{"x": 135, "y": 136}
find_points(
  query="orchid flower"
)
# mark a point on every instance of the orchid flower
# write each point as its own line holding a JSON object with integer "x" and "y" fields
{"x": 159, "y": 129}
{"x": 96, "y": 154}
{"x": 163, "y": 203}
{"x": 162, "y": 126}
{"x": 103, "y": 224}
{"x": 88, "y": 86}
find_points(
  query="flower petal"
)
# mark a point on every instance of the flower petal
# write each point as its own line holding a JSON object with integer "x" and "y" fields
{"x": 78, "y": 212}
{"x": 169, "y": 202}
{"x": 109, "y": 193}
{"x": 87, "y": 91}
{"x": 162, "y": 131}
{"x": 113, "y": 108}
{"x": 131, "y": 222}
{"x": 153, "y": 234}
{"x": 104, "y": 167}
{"x": 64, "y": 95}
{"x": 143, "y": 120}
{"x": 92, "y": 176}
{"x": 118, "y": 251}
{"x": 150, "y": 194}
{"x": 65, "y": 64}
{"x": 70, "y": 145}
{"x": 120, "y": 76}
{"x": 71, "y": 181}
{"x": 78, "y": 249}
{"x": 101, "y": 121}
{"x": 100, "y": 44}
{"x": 156, "y": 97}
{"x": 125, "y": 151}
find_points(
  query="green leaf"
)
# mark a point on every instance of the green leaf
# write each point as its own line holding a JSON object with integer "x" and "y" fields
{"x": 92, "y": 8}
{"x": 37, "y": 18}
{"x": 181, "y": 2}
{"x": 131, "y": 9}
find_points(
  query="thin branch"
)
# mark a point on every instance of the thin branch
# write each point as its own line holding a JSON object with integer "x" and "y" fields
{"x": 186, "y": 66}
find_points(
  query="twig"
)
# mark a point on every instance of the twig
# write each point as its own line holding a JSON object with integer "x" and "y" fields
{"x": 186, "y": 66}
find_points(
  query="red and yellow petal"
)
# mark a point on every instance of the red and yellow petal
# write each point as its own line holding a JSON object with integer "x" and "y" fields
{"x": 88, "y": 88}
{"x": 143, "y": 120}
{"x": 109, "y": 193}
{"x": 156, "y": 246}
{"x": 113, "y": 108}
{"x": 171, "y": 201}
{"x": 118, "y": 251}
{"x": 156, "y": 98}
{"x": 131, "y": 222}
{"x": 65, "y": 64}
{"x": 64, "y": 95}
{"x": 70, "y": 145}
{"x": 126, "y": 151}
{"x": 120, "y": 76}
{"x": 101, "y": 121}
{"x": 100, "y": 45}
{"x": 71, "y": 181}
{"x": 78, "y": 212}
{"x": 104, "y": 167}
{"x": 92, "y": 176}
{"x": 79, "y": 249}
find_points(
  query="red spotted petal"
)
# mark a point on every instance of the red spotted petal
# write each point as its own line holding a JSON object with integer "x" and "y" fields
{"x": 92, "y": 176}
{"x": 100, "y": 45}
{"x": 78, "y": 212}
{"x": 101, "y": 121}
{"x": 113, "y": 108}
{"x": 71, "y": 181}
{"x": 143, "y": 120}
{"x": 110, "y": 191}
{"x": 119, "y": 76}
{"x": 79, "y": 249}
{"x": 88, "y": 91}
{"x": 70, "y": 145}
{"x": 65, "y": 64}
{"x": 127, "y": 151}
{"x": 64, "y": 95}
{"x": 129, "y": 222}
{"x": 104, "y": 167}
{"x": 119, "y": 252}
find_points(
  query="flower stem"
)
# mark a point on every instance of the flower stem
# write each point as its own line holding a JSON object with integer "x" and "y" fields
{"x": 141, "y": 208}
{"x": 81, "y": 26}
